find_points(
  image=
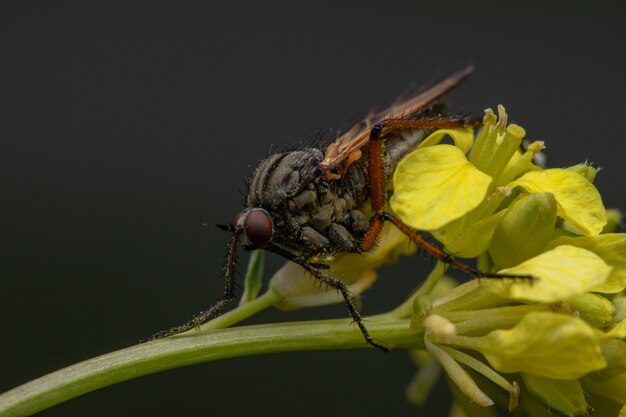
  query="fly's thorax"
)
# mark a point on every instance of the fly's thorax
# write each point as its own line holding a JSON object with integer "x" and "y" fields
{"x": 281, "y": 176}
{"x": 312, "y": 216}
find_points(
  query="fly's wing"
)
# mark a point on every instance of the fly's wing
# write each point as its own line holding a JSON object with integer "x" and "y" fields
{"x": 358, "y": 135}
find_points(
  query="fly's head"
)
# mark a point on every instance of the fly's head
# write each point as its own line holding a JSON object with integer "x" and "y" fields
{"x": 253, "y": 227}
{"x": 271, "y": 219}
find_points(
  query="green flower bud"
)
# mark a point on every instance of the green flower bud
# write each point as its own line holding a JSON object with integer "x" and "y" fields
{"x": 585, "y": 170}
{"x": 613, "y": 220}
{"x": 439, "y": 327}
{"x": 421, "y": 307}
{"x": 620, "y": 307}
{"x": 593, "y": 308}
{"x": 561, "y": 395}
{"x": 609, "y": 384}
{"x": 614, "y": 353}
{"x": 524, "y": 231}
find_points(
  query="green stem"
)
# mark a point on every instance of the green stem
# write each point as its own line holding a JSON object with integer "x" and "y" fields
{"x": 242, "y": 312}
{"x": 254, "y": 276}
{"x": 175, "y": 352}
{"x": 406, "y": 308}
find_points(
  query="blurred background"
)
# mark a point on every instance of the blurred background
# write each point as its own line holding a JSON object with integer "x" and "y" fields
{"x": 125, "y": 127}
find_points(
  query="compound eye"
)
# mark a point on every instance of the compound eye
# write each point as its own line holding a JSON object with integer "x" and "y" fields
{"x": 258, "y": 228}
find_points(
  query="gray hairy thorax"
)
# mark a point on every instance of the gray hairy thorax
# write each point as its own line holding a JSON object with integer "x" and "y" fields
{"x": 321, "y": 216}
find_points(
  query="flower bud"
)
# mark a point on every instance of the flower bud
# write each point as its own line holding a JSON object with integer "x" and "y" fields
{"x": 421, "y": 308}
{"x": 593, "y": 308}
{"x": 524, "y": 230}
{"x": 613, "y": 220}
{"x": 620, "y": 307}
{"x": 561, "y": 395}
{"x": 585, "y": 170}
{"x": 439, "y": 327}
{"x": 614, "y": 352}
{"x": 611, "y": 384}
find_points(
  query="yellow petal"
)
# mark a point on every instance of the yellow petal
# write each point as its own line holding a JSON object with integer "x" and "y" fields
{"x": 546, "y": 344}
{"x": 436, "y": 185}
{"x": 470, "y": 235}
{"x": 612, "y": 248}
{"x": 560, "y": 273}
{"x": 463, "y": 138}
{"x": 618, "y": 331}
{"x": 578, "y": 200}
{"x": 614, "y": 284}
{"x": 471, "y": 241}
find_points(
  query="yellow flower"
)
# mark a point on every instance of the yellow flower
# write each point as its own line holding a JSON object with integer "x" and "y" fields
{"x": 578, "y": 200}
{"x": 544, "y": 344}
{"x": 458, "y": 198}
{"x": 557, "y": 336}
{"x": 449, "y": 186}
{"x": 562, "y": 272}
{"x": 611, "y": 247}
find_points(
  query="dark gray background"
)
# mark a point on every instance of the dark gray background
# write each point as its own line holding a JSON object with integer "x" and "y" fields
{"x": 123, "y": 128}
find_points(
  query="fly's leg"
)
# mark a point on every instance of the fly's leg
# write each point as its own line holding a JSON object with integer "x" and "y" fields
{"x": 220, "y": 304}
{"x": 315, "y": 270}
{"x": 378, "y": 193}
{"x": 441, "y": 255}
{"x": 342, "y": 287}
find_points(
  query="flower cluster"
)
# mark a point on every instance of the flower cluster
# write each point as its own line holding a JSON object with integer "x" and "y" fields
{"x": 555, "y": 342}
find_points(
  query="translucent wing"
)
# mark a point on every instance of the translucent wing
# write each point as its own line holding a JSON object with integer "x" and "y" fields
{"x": 348, "y": 144}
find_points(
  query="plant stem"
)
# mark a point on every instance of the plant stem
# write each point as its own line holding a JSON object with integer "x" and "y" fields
{"x": 178, "y": 351}
{"x": 242, "y": 312}
{"x": 406, "y": 308}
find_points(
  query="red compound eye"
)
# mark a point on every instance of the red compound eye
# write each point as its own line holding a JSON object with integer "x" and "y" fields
{"x": 258, "y": 228}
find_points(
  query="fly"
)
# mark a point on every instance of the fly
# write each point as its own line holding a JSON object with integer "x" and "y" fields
{"x": 305, "y": 205}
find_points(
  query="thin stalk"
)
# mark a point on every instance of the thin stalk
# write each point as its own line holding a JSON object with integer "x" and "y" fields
{"x": 242, "y": 312}
{"x": 175, "y": 352}
{"x": 406, "y": 308}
